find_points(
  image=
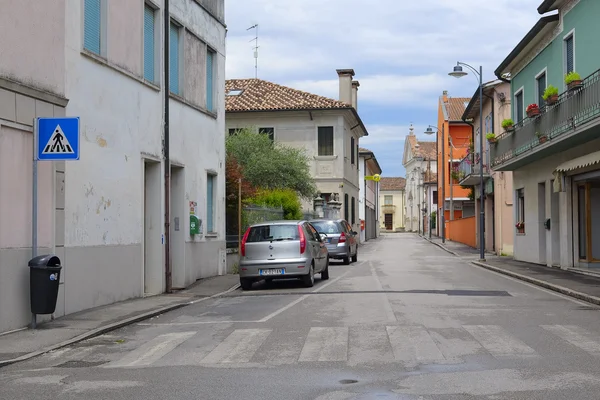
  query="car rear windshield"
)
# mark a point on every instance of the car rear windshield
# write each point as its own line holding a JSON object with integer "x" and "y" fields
{"x": 265, "y": 233}
{"x": 327, "y": 227}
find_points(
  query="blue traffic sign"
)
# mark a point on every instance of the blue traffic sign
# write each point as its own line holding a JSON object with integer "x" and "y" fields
{"x": 57, "y": 139}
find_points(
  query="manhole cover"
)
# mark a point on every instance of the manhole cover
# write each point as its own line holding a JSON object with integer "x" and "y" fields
{"x": 348, "y": 381}
{"x": 80, "y": 364}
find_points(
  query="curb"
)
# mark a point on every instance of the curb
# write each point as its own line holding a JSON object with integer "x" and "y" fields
{"x": 114, "y": 326}
{"x": 556, "y": 288}
{"x": 441, "y": 246}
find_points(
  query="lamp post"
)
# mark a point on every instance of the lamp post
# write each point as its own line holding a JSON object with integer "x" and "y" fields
{"x": 440, "y": 218}
{"x": 458, "y": 72}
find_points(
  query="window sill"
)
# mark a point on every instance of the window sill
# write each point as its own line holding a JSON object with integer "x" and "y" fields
{"x": 325, "y": 158}
{"x": 182, "y": 100}
{"x": 211, "y": 235}
{"x": 103, "y": 61}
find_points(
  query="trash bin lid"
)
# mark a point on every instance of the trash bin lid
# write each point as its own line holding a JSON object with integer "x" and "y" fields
{"x": 43, "y": 261}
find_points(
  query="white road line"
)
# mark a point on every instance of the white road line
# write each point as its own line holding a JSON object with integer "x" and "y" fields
{"x": 413, "y": 343}
{"x": 389, "y": 312}
{"x": 577, "y": 336}
{"x": 498, "y": 342}
{"x": 152, "y": 351}
{"x": 325, "y": 344}
{"x": 239, "y": 347}
{"x": 293, "y": 303}
{"x": 531, "y": 285}
{"x": 195, "y": 323}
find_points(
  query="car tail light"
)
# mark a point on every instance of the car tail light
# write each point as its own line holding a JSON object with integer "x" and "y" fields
{"x": 243, "y": 247}
{"x": 302, "y": 240}
{"x": 342, "y": 237}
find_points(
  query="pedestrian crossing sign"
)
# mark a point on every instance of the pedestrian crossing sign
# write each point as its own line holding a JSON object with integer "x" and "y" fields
{"x": 57, "y": 139}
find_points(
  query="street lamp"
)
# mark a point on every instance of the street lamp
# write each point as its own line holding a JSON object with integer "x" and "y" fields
{"x": 458, "y": 72}
{"x": 440, "y": 218}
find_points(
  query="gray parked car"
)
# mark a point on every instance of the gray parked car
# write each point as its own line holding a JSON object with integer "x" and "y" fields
{"x": 282, "y": 249}
{"x": 339, "y": 238}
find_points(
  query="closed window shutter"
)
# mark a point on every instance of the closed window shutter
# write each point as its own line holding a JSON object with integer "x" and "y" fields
{"x": 346, "y": 206}
{"x": 352, "y": 150}
{"x": 149, "y": 24}
{"x": 209, "y": 80}
{"x": 570, "y": 55}
{"x": 353, "y": 211}
{"x": 174, "y": 58}
{"x": 91, "y": 23}
{"x": 209, "y": 203}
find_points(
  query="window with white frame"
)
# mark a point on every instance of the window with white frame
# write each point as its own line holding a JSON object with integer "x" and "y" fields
{"x": 94, "y": 26}
{"x": 519, "y": 104}
{"x": 569, "y": 44}
{"x": 210, "y": 202}
{"x": 520, "y": 205}
{"x": 150, "y": 43}
{"x": 325, "y": 140}
{"x": 210, "y": 74}
{"x": 540, "y": 83}
{"x": 352, "y": 150}
{"x": 174, "y": 57}
{"x": 388, "y": 200}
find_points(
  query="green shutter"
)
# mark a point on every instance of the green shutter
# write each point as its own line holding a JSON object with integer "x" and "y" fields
{"x": 209, "y": 203}
{"x": 149, "y": 24}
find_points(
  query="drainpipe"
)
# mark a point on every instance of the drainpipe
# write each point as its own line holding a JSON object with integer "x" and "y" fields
{"x": 167, "y": 158}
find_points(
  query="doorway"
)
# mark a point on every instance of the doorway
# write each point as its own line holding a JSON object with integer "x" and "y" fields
{"x": 153, "y": 277}
{"x": 389, "y": 222}
{"x": 178, "y": 224}
{"x": 555, "y": 226}
{"x": 541, "y": 219}
{"x": 589, "y": 222}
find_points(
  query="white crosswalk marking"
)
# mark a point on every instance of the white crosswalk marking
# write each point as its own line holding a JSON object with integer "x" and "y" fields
{"x": 498, "y": 342}
{"x": 325, "y": 344}
{"x": 153, "y": 350}
{"x": 576, "y": 336}
{"x": 413, "y": 343}
{"x": 369, "y": 344}
{"x": 238, "y": 347}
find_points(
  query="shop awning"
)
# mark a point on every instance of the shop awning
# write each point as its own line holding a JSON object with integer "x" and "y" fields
{"x": 579, "y": 162}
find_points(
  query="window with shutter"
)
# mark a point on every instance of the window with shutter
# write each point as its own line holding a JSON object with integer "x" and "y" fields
{"x": 346, "y": 206}
{"x": 174, "y": 33}
{"x": 209, "y": 203}
{"x": 92, "y": 26}
{"x": 352, "y": 150}
{"x": 149, "y": 40}
{"x": 519, "y": 107}
{"x": 353, "y": 211}
{"x": 210, "y": 58}
{"x": 569, "y": 54}
{"x": 325, "y": 140}
{"x": 541, "y": 88}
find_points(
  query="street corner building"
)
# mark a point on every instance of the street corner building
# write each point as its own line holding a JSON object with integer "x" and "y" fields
{"x": 329, "y": 130}
{"x": 103, "y": 215}
{"x": 552, "y": 142}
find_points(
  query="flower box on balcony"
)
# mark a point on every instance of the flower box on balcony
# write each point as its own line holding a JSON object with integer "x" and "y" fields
{"x": 508, "y": 125}
{"x": 532, "y": 110}
{"x": 520, "y": 227}
{"x": 550, "y": 95}
{"x": 542, "y": 139}
{"x": 491, "y": 137}
{"x": 573, "y": 81}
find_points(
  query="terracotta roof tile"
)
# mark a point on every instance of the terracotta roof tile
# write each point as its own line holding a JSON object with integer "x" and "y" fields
{"x": 427, "y": 150}
{"x": 392, "y": 183}
{"x": 260, "y": 95}
{"x": 456, "y": 107}
{"x": 430, "y": 177}
{"x": 363, "y": 150}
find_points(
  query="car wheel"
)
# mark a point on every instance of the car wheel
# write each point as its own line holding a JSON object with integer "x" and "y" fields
{"x": 347, "y": 259}
{"x": 246, "y": 283}
{"x": 325, "y": 272}
{"x": 309, "y": 279}
{"x": 355, "y": 256}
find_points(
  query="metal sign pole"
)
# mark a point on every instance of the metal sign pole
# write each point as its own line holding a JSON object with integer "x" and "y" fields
{"x": 34, "y": 211}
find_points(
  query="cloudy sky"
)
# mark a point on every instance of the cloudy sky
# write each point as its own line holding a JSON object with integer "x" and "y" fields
{"x": 401, "y": 51}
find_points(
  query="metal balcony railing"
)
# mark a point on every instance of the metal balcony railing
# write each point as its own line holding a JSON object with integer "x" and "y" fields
{"x": 573, "y": 109}
{"x": 468, "y": 169}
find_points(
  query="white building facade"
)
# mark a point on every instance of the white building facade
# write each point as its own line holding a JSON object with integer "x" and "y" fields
{"x": 105, "y": 216}
{"x": 369, "y": 208}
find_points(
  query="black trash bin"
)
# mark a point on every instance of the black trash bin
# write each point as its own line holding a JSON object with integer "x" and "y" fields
{"x": 44, "y": 278}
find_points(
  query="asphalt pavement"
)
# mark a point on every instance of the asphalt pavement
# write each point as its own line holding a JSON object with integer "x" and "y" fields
{"x": 407, "y": 321}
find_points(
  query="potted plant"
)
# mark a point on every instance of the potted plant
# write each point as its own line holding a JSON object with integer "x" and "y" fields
{"x": 573, "y": 81}
{"x": 491, "y": 137}
{"x": 520, "y": 227}
{"x": 532, "y": 110}
{"x": 542, "y": 138}
{"x": 550, "y": 95}
{"x": 508, "y": 124}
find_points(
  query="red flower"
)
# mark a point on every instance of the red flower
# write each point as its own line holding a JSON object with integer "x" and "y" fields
{"x": 531, "y": 107}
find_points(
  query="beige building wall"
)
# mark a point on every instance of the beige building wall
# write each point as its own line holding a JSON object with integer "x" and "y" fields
{"x": 396, "y": 209}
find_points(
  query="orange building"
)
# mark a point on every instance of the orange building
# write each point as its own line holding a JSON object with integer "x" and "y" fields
{"x": 454, "y": 139}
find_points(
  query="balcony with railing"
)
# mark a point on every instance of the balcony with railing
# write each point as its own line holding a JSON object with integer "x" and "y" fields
{"x": 388, "y": 208}
{"x": 469, "y": 169}
{"x": 571, "y": 121}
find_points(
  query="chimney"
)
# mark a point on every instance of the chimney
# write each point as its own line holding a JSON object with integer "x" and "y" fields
{"x": 355, "y": 86}
{"x": 445, "y": 96}
{"x": 345, "y": 76}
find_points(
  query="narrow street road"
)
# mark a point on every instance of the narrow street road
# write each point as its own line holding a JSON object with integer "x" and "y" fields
{"x": 407, "y": 321}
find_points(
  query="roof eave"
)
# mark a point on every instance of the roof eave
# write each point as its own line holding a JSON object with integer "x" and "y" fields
{"x": 475, "y": 99}
{"x": 547, "y": 6}
{"x": 530, "y": 36}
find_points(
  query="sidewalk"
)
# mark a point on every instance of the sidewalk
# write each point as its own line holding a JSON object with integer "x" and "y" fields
{"x": 577, "y": 283}
{"x": 27, "y": 343}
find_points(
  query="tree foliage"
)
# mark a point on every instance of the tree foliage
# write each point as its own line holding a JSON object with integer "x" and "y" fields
{"x": 284, "y": 198}
{"x": 233, "y": 172}
{"x": 269, "y": 165}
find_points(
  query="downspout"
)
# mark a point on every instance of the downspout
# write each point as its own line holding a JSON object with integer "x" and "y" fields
{"x": 167, "y": 162}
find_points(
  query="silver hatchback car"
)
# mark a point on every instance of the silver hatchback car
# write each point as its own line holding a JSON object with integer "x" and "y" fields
{"x": 282, "y": 249}
{"x": 339, "y": 238}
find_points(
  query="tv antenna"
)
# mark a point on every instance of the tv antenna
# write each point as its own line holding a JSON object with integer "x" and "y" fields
{"x": 255, "y": 40}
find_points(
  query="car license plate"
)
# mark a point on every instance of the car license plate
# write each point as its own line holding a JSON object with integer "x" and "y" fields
{"x": 329, "y": 240}
{"x": 278, "y": 271}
